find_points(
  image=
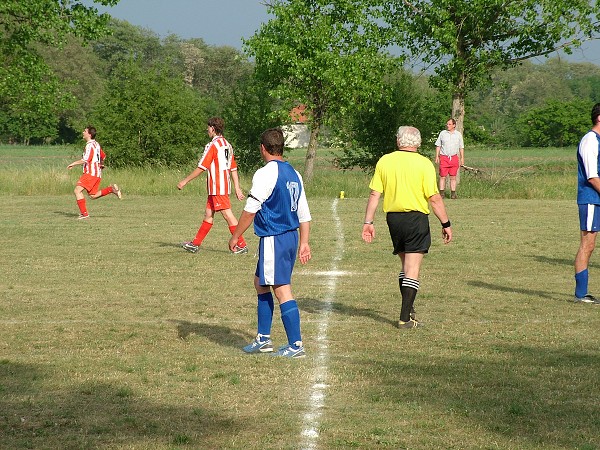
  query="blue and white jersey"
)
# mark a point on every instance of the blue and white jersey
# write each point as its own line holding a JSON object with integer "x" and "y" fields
{"x": 588, "y": 161}
{"x": 278, "y": 199}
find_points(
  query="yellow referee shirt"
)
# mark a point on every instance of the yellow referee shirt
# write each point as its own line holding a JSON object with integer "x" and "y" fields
{"x": 406, "y": 180}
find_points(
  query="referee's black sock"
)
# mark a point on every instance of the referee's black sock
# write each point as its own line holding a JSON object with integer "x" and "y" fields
{"x": 408, "y": 289}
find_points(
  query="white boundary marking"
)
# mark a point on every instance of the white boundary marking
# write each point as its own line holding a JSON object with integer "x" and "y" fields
{"x": 316, "y": 400}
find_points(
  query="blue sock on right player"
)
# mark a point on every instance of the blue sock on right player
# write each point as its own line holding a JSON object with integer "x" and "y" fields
{"x": 581, "y": 283}
{"x": 290, "y": 316}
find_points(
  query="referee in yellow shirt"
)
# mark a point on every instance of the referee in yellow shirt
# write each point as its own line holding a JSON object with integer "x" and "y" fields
{"x": 407, "y": 181}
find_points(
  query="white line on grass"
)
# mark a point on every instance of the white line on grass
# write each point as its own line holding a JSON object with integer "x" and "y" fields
{"x": 316, "y": 401}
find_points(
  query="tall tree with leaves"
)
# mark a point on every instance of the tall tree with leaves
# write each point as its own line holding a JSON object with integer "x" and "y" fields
{"x": 322, "y": 54}
{"x": 465, "y": 39}
{"x": 29, "y": 91}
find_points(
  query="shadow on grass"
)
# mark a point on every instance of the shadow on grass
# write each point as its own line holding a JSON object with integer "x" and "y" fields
{"x": 512, "y": 290}
{"x": 34, "y": 413}
{"x": 67, "y": 214}
{"x": 216, "y": 333}
{"x": 559, "y": 261}
{"x": 202, "y": 249}
{"x": 314, "y": 306}
{"x": 524, "y": 393}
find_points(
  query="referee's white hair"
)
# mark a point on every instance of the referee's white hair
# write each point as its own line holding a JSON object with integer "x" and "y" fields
{"x": 408, "y": 137}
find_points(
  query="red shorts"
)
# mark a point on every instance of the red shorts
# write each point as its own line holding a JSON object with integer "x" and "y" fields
{"x": 449, "y": 165}
{"x": 89, "y": 183}
{"x": 218, "y": 202}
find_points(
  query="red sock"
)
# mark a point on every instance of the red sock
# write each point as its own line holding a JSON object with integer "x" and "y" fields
{"x": 202, "y": 232}
{"x": 241, "y": 242}
{"x": 106, "y": 191}
{"x": 82, "y": 208}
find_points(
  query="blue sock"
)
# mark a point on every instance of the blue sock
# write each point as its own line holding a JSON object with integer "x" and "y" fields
{"x": 265, "y": 313}
{"x": 290, "y": 316}
{"x": 581, "y": 283}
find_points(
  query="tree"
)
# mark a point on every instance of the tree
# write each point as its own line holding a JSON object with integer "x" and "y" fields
{"x": 494, "y": 109}
{"x": 322, "y": 54}
{"x": 127, "y": 42}
{"x": 371, "y": 128}
{"x": 246, "y": 117}
{"x": 148, "y": 116}
{"x": 29, "y": 92}
{"x": 464, "y": 40}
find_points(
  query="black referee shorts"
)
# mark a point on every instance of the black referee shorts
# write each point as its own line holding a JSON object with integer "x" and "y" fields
{"x": 409, "y": 231}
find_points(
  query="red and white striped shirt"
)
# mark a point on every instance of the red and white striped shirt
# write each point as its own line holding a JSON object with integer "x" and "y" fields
{"x": 219, "y": 162}
{"x": 92, "y": 156}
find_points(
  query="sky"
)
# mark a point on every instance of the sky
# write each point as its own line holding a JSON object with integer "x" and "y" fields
{"x": 217, "y": 22}
{"x": 226, "y": 22}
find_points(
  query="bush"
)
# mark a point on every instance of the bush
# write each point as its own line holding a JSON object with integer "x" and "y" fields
{"x": 556, "y": 124}
{"x": 149, "y": 117}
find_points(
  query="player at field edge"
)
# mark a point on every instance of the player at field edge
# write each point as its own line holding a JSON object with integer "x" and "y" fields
{"x": 449, "y": 155}
{"x": 408, "y": 182}
{"x": 588, "y": 202}
{"x": 93, "y": 163}
{"x": 278, "y": 207}
{"x": 218, "y": 161}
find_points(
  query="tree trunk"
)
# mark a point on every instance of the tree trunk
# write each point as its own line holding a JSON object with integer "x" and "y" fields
{"x": 311, "y": 152}
{"x": 458, "y": 110}
{"x": 458, "y": 113}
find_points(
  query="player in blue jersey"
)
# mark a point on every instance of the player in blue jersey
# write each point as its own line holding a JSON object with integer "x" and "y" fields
{"x": 588, "y": 200}
{"x": 277, "y": 205}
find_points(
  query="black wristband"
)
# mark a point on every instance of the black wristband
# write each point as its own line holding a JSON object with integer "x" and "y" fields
{"x": 446, "y": 224}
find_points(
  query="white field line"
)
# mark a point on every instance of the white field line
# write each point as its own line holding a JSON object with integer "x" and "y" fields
{"x": 316, "y": 399}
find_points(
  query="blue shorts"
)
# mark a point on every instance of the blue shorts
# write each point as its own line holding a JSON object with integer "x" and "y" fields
{"x": 589, "y": 217}
{"x": 276, "y": 258}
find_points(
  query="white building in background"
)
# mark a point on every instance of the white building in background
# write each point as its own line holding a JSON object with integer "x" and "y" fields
{"x": 297, "y": 134}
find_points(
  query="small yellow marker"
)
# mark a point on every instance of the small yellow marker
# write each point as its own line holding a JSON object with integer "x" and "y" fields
{"x": 341, "y": 194}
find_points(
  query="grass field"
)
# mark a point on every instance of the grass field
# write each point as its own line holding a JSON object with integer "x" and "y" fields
{"x": 111, "y": 336}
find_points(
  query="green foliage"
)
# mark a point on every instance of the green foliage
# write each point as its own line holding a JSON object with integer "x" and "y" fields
{"x": 464, "y": 40}
{"x": 127, "y": 42}
{"x": 148, "y": 116}
{"x": 556, "y": 124}
{"x": 30, "y": 96}
{"x": 246, "y": 118}
{"x": 30, "y": 113}
{"x": 494, "y": 108}
{"x": 372, "y": 127}
{"x": 323, "y": 54}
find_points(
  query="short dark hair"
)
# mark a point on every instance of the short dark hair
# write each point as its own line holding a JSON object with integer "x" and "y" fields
{"x": 453, "y": 120}
{"x": 596, "y": 114}
{"x": 272, "y": 139}
{"x": 217, "y": 123}
{"x": 92, "y": 131}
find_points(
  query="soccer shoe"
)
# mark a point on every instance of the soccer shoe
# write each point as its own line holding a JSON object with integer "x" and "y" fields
{"x": 287, "y": 351}
{"x": 190, "y": 247}
{"x": 83, "y": 216}
{"x": 237, "y": 250}
{"x": 410, "y": 324}
{"x": 587, "y": 298}
{"x": 453, "y": 196}
{"x": 117, "y": 191}
{"x": 259, "y": 346}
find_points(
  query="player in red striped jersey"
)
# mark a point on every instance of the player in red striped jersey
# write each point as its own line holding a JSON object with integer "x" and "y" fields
{"x": 219, "y": 163}
{"x": 92, "y": 162}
